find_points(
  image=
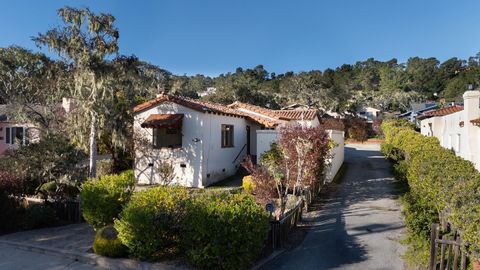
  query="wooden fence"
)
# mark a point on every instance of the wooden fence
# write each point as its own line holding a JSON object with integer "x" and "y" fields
{"x": 68, "y": 211}
{"x": 446, "y": 251}
{"x": 279, "y": 229}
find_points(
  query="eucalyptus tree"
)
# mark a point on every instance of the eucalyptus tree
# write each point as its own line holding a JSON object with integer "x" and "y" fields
{"x": 86, "y": 41}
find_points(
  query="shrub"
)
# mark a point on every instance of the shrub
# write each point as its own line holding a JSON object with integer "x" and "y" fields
{"x": 39, "y": 216}
{"x": 11, "y": 183}
{"x": 151, "y": 223}
{"x": 224, "y": 231}
{"x": 443, "y": 187}
{"x": 357, "y": 129}
{"x": 104, "y": 198}
{"x": 248, "y": 184}
{"x": 10, "y": 215}
{"x": 106, "y": 243}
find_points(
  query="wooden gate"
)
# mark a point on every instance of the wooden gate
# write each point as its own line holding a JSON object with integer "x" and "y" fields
{"x": 446, "y": 251}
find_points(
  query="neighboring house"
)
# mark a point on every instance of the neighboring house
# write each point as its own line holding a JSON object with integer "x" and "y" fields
{"x": 457, "y": 127}
{"x": 418, "y": 109}
{"x": 370, "y": 114}
{"x": 206, "y": 142}
{"x": 12, "y": 134}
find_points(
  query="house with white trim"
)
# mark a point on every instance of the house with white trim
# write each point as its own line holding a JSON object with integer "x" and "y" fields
{"x": 205, "y": 142}
{"x": 457, "y": 127}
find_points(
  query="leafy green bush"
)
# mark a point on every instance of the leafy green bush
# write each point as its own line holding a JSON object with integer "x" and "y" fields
{"x": 224, "y": 231}
{"x": 107, "y": 243}
{"x": 104, "y": 198}
{"x": 151, "y": 223}
{"x": 443, "y": 187}
{"x": 39, "y": 216}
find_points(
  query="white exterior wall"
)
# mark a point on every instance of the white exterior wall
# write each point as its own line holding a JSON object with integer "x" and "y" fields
{"x": 220, "y": 163}
{"x": 337, "y": 154}
{"x": 187, "y": 161}
{"x": 32, "y": 133}
{"x": 201, "y": 161}
{"x": 265, "y": 138}
{"x": 463, "y": 140}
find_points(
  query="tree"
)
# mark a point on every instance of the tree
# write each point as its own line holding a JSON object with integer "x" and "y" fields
{"x": 86, "y": 41}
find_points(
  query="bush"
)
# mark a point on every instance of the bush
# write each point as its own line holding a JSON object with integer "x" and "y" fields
{"x": 107, "y": 243}
{"x": 10, "y": 215}
{"x": 151, "y": 223}
{"x": 104, "y": 167}
{"x": 247, "y": 184}
{"x": 39, "y": 216}
{"x": 224, "y": 231}
{"x": 443, "y": 187}
{"x": 104, "y": 198}
{"x": 357, "y": 129}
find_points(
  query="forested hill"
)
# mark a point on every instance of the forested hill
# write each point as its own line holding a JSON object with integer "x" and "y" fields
{"x": 390, "y": 85}
{"x": 28, "y": 77}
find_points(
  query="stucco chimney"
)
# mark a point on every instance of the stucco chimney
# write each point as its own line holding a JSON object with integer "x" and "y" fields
{"x": 471, "y": 102}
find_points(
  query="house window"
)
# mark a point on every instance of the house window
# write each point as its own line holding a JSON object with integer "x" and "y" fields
{"x": 167, "y": 138}
{"x": 16, "y": 135}
{"x": 227, "y": 135}
{"x": 458, "y": 143}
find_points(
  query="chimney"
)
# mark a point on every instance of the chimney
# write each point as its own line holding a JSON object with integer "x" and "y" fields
{"x": 471, "y": 102}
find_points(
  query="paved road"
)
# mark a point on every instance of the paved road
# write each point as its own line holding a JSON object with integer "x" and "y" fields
{"x": 354, "y": 225}
{"x": 13, "y": 259}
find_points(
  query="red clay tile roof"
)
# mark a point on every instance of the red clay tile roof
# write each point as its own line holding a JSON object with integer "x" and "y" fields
{"x": 203, "y": 106}
{"x": 441, "y": 112}
{"x": 309, "y": 114}
{"x": 163, "y": 121}
{"x": 476, "y": 122}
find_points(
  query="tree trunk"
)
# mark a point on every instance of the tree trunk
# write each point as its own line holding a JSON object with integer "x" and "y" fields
{"x": 93, "y": 147}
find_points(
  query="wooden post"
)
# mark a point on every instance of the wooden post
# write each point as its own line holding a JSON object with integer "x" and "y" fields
{"x": 433, "y": 249}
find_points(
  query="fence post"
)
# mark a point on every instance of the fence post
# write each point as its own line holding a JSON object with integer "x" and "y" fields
{"x": 433, "y": 246}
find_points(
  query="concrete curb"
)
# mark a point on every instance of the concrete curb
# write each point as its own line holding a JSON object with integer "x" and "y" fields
{"x": 268, "y": 259}
{"x": 90, "y": 258}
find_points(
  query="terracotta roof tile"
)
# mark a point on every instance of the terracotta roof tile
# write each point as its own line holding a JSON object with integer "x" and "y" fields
{"x": 163, "y": 121}
{"x": 476, "y": 122}
{"x": 295, "y": 114}
{"x": 441, "y": 112}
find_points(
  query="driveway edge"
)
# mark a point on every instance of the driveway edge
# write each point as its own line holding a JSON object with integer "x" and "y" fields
{"x": 92, "y": 259}
{"x": 268, "y": 259}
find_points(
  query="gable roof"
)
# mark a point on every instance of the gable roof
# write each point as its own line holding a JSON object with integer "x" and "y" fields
{"x": 205, "y": 107}
{"x": 308, "y": 114}
{"x": 441, "y": 112}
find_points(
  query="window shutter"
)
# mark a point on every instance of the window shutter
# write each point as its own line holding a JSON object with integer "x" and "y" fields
{"x": 7, "y": 135}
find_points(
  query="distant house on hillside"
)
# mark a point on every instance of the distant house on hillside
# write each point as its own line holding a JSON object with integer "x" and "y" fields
{"x": 457, "y": 127}
{"x": 418, "y": 109}
{"x": 206, "y": 142}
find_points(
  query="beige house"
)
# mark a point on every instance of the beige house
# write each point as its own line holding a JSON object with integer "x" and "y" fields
{"x": 205, "y": 142}
{"x": 457, "y": 127}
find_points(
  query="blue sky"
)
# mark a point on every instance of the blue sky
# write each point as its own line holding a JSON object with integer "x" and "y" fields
{"x": 212, "y": 37}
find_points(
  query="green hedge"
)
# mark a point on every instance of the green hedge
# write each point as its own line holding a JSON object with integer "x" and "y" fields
{"x": 224, "y": 231}
{"x": 107, "y": 243}
{"x": 151, "y": 223}
{"x": 443, "y": 186}
{"x": 104, "y": 198}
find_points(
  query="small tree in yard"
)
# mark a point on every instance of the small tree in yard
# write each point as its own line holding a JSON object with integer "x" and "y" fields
{"x": 296, "y": 162}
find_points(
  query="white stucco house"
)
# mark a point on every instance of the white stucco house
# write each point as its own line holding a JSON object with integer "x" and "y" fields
{"x": 370, "y": 114}
{"x": 457, "y": 127}
{"x": 206, "y": 142}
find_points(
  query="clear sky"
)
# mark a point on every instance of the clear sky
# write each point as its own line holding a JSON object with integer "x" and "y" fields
{"x": 212, "y": 37}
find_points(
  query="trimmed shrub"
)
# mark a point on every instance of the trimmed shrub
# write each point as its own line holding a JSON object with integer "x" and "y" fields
{"x": 107, "y": 243}
{"x": 104, "y": 198}
{"x": 247, "y": 184}
{"x": 151, "y": 223}
{"x": 224, "y": 231}
{"x": 443, "y": 187}
{"x": 39, "y": 216}
{"x": 9, "y": 213}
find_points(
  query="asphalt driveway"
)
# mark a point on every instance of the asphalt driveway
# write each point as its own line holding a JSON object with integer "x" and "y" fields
{"x": 355, "y": 224}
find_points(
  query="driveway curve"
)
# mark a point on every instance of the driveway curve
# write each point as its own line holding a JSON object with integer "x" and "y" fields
{"x": 354, "y": 224}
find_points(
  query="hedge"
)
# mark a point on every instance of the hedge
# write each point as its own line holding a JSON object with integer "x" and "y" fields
{"x": 106, "y": 243}
{"x": 103, "y": 198}
{"x": 151, "y": 223}
{"x": 224, "y": 231}
{"x": 443, "y": 186}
